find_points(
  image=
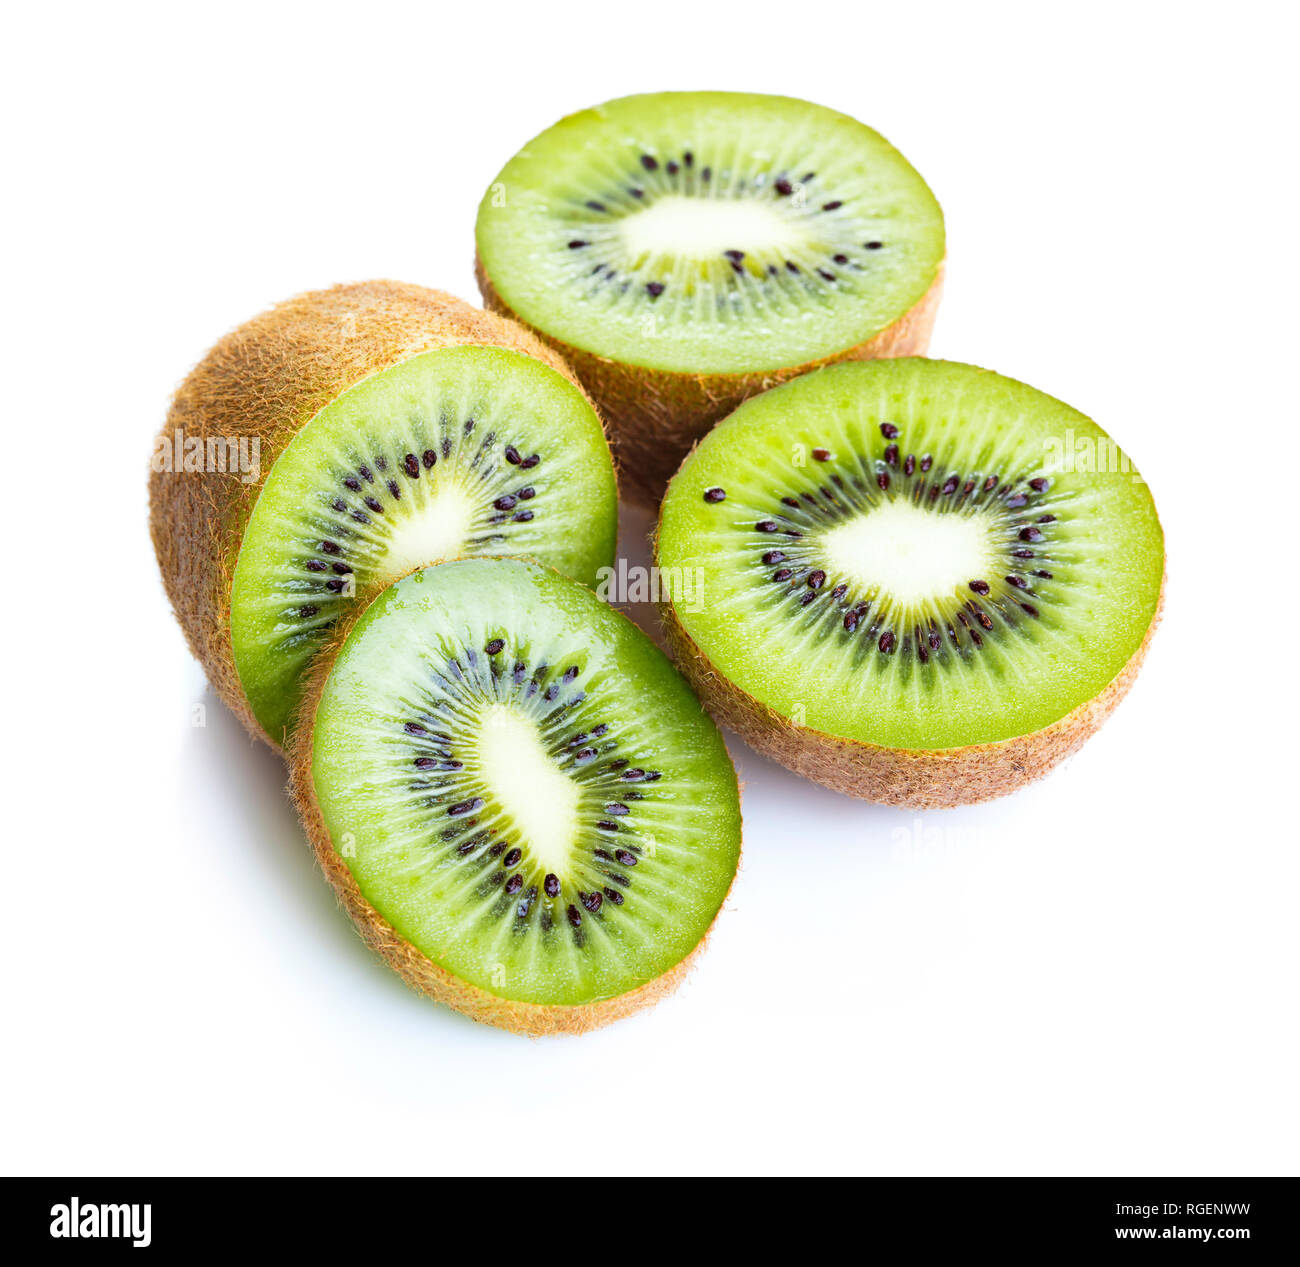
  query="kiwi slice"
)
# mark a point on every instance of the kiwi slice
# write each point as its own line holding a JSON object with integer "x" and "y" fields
{"x": 915, "y": 581}
{"x": 688, "y": 249}
{"x": 518, "y": 798}
{"x": 395, "y": 427}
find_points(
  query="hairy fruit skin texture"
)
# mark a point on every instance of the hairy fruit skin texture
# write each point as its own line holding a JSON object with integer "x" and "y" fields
{"x": 263, "y": 381}
{"x": 418, "y": 971}
{"x": 909, "y": 778}
{"x": 656, "y": 416}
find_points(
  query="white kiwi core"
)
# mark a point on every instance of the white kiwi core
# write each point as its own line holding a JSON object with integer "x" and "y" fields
{"x": 703, "y": 228}
{"x": 540, "y": 798}
{"x": 909, "y": 552}
{"x": 436, "y": 533}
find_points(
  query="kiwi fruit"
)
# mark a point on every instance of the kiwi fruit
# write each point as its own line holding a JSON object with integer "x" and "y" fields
{"x": 685, "y": 250}
{"x": 518, "y": 799}
{"x": 915, "y": 581}
{"x": 393, "y": 426}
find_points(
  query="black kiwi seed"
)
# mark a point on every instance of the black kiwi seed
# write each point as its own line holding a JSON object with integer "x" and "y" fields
{"x": 495, "y": 646}
{"x": 822, "y": 455}
{"x": 574, "y": 918}
{"x": 782, "y": 574}
{"x": 512, "y": 455}
{"x": 529, "y": 462}
{"x": 765, "y": 525}
{"x": 593, "y": 901}
{"x": 307, "y": 611}
{"x": 465, "y": 807}
{"x": 578, "y": 244}
{"x": 552, "y": 885}
{"x": 715, "y": 495}
{"x": 625, "y": 858}
{"x": 411, "y": 465}
{"x": 886, "y": 643}
{"x": 784, "y": 187}
{"x": 816, "y": 579}
{"x": 1030, "y": 534}
{"x": 428, "y": 458}
{"x": 980, "y": 587}
{"x": 773, "y": 556}
{"x": 513, "y": 857}
{"x": 654, "y": 290}
{"x": 514, "y": 884}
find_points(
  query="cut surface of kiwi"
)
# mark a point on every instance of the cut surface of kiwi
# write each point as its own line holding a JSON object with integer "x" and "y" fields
{"x": 710, "y": 232}
{"x": 520, "y": 800}
{"x": 459, "y": 451}
{"x": 912, "y": 557}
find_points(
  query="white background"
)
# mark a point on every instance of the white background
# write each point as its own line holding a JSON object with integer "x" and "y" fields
{"x": 1097, "y": 975}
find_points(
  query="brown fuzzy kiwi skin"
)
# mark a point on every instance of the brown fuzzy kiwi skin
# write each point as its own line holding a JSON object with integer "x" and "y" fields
{"x": 535, "y": 1020}
{"x": 265, "y": 380}
{"x": 656, "y": 416}
{"x": 908, "y": 778}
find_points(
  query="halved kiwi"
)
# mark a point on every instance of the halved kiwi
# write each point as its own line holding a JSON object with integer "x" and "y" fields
{"x": 395, "y": 426}
{"x": 517, "y": 797}
{"x": 688, "y": 249}
{"x": 914, "y": 581}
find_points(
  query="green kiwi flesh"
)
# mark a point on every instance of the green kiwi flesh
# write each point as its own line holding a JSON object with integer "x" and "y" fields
{"x": 459, "y": 451}
{"x": 710, "y": 233}
{"x": 914, "y": 555}
{"x": 523, "y": 788}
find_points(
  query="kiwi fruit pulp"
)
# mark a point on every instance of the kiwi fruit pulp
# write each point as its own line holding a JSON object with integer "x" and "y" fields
{"x": 518, "y": 798}
{"x": 916, "y": 581}
{"x": 688, "y": 249}
{"x": 465, "y": 450}
{"x": 396, "y": 426}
